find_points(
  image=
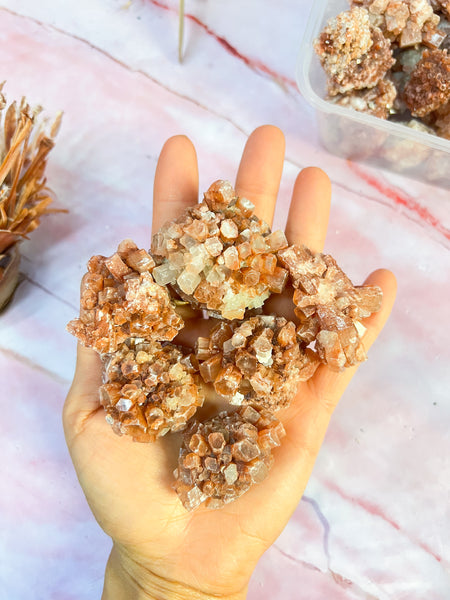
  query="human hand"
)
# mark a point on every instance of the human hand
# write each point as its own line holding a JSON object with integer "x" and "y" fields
{"x": 159, "y": 549}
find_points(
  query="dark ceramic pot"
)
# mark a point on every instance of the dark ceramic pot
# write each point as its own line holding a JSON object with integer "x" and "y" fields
{"x": 9, "y": 274}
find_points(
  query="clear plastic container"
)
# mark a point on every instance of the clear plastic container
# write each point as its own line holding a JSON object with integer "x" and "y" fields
{"x": 359, "y": 136}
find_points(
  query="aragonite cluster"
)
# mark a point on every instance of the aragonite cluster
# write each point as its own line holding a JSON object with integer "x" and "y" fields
{"x": 328, "y": 306}
{"x": 224, "y": 262}
{"x": 390, "y": 58}
{"x": 259, "y": 361}
{"x": 220, "y": 256}
{"x": 223, "y": 456}
{"x": 428, "y": 88}
{"x": 353, "y": 52}
{"x": 151, "y": 389}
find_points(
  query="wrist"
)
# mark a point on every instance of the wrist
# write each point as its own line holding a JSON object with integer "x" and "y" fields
{"x": 125, "y": 579}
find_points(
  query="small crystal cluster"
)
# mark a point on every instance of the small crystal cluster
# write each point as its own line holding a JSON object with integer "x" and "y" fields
{"x": 390, "y": 57}
{"x": 354, "y": 54}
{"x": 148, "y": 389}
{"x": 222, "y": 457}
{"x": 428, "y": 88}
{"x": 219, "y": 257}
{"x": 120, "y": 299}
{"x": 329, "y": 307}
{"x": 151, "y": 389}
{"x": 377, "y": 101}
{"x": 258, "y": 361}
{"x": 405, "y": 22}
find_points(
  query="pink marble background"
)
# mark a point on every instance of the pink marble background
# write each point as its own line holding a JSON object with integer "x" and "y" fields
{"x": 375, "y": 519}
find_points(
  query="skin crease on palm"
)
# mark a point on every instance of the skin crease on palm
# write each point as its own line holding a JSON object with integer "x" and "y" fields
{"x": 160, "y": 550}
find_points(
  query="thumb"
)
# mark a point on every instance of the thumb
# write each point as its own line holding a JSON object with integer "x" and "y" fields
{"x": 83, "y": 398}
{"x": 328, "y": 386}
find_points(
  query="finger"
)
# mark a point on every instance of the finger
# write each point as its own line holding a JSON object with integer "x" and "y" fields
{"x": 310, "y": 208}
{"x": 176, "y": 180}
{"x": 83, "y": 397}
{"x": 307, "y": 419}
{"x": 260, "y": 169}
{"x": 328, "y": 386}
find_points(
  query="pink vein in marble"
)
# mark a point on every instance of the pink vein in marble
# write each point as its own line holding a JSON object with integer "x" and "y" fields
{"x": 376, "y": 511}
{"x": 413, "y": 209}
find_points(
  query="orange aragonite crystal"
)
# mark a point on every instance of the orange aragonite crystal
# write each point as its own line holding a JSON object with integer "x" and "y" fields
{"x": 389, "y": 58}
{"x": 429, "y": 86}
{"x": 120, "y": 300}
{"x": 150, "y": 389}
{"x": 258, "y": 361}
{"x": 404, "y": 22}
{"x": 353, "y": 53}
{"x": 328, "y": 306}
{"x": 219, "y": 257}
{"x": 377, "y": 101}
{"x": 222, "y": 457}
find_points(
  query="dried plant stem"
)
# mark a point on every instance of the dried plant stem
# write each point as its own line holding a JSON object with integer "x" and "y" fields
{"x": 24, "y": 197}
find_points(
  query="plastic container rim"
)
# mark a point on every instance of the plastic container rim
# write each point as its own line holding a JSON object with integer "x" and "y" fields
{"x": 302, "y": 75}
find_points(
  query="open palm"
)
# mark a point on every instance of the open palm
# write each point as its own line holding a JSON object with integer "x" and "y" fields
{"x": 163, "y": 550}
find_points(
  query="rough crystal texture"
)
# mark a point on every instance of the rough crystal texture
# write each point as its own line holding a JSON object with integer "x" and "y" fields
{"x": 429, "y": 86}
{"x": 328, "y": 306}
{"x": 257, "y": 361}
{"x": 354, "y": 54}
{"x": 367, "y": 71}
{"x": 120, "y": 300}
{"x": 219, "y": 256}
{"x": 442, "y": 121}
{"x": 377, "y": 101}
{"x": 150, "y": 389}
{"x": 441, "y": 6}
{"x": 345, "y": 38}
{"x": 406, "y": 22}
{"x": 223, "y": 457}
{"x": 390, "y": 57}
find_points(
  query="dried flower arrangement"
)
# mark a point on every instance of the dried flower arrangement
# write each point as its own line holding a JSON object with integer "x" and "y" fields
{"x": 24, "y": 197}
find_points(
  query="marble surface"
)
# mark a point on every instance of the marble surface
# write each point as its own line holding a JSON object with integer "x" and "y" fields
{"x": 375, "y": 519}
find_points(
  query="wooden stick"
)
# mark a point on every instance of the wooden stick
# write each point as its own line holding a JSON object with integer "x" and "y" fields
{"x": 181, "y": 32}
